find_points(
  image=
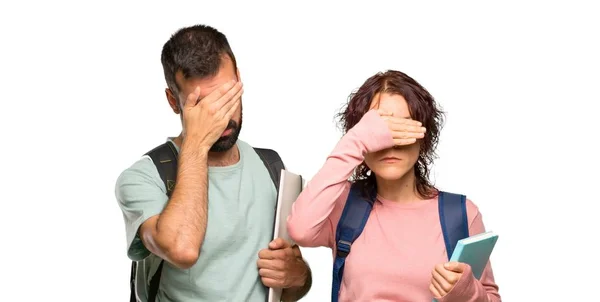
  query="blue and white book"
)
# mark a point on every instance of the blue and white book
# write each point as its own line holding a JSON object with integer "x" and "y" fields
{"x": 475, "y": 251}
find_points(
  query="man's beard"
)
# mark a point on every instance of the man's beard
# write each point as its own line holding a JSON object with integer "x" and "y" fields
{"x": 225, "y": 143}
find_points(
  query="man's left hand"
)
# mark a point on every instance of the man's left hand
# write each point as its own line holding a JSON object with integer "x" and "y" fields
{"x": 281, "y": 265}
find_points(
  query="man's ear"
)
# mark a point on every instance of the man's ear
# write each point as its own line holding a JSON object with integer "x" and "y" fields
{"x": 173, "y": 102}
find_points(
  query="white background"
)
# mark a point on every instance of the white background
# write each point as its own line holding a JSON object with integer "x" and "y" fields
{"x": 83, "y": 98}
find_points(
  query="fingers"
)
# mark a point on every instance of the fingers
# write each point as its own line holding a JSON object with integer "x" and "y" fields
{"x": 218, "y": 97}
{"x": 226, "y": 105}
{"x": 270, "y": 274}
{"x": 279, "y": 243}
{"x": 230, "y": 88}
{"x": 232, "y": 106}
{"x": 402, "y": 134}
{"x": 270, "y": 282}
{"x": 404, "y": 141}
{"x": 270, "y": 264}
{"x": 408, "y": 128}
{"x": 402, "y": 121}
{"x": 193, "y": 98}
{"x": 229, "y": 96}
{"x": 405, "y": 131}
{"x": 268, "y": 254}
{"x": 440, "y": 283}
{"x": 231, "y": 111}
{"x": 454, "y": 266}
{"x": 217, "y": 94}
{"x": 433, "y": 288}
{"x": 222, "y": 102}
{"x": 406, "y": 137}
{"x": 408, "y": 131}
{"x": 450, "y": 277}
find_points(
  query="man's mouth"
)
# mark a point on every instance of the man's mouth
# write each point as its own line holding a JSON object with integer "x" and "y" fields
{"x": 227, "y": 132}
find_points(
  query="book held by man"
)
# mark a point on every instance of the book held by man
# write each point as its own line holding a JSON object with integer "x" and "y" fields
{"x": 290, "y": 186}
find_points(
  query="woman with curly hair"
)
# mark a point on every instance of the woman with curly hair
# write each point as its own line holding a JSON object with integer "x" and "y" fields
{"x": 392, "y": 125}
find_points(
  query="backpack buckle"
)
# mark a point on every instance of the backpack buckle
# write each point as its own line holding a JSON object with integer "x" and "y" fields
{"x": 343, "y": 248}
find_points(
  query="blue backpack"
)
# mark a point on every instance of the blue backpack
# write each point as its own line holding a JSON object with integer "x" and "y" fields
{"x": 453, "y": 219}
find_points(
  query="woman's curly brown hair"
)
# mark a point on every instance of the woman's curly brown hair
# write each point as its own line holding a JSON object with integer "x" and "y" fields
{"x": 422, "y": 107}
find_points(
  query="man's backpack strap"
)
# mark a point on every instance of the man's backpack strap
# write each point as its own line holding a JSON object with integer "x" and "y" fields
{"x": 273, "y": 162}
{"x": 274, "y": 165}
{"x": 352, "y": 222}
{"x": 453, "y": 219}
{"x": 132, "y": 281}
{"x": 165, "y": 160}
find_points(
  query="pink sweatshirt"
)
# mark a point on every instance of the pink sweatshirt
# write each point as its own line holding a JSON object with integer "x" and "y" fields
{"x": 393, "y": 258}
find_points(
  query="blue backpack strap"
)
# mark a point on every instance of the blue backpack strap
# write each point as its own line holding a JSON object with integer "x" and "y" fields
{"x": 453, "y": 219}
{"x": 354, "y": 217}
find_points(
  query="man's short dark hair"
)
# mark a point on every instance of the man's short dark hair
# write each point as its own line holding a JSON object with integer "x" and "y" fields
{"x": 196, "y": 51}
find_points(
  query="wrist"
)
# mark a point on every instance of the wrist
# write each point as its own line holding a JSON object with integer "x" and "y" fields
{"x": 374, "y": 132}
{"x": 296, "y": 293}
{"x": 195, "y": 145}
{"x": 303, "y": 278}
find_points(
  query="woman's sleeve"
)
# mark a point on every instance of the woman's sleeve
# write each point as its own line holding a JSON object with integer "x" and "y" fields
{"x": 317, "y": 210}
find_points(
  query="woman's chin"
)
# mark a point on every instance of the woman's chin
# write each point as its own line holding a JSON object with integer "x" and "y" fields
{"x": 391, "y": 173}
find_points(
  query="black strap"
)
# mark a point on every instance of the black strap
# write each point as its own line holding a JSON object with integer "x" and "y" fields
{"x": 273, "y": 162}
{"x": 274, "y": 165}
{"x": 155, "y": 283}
{"x": 165, "y": 160}
{"x": 132, "y": 281}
